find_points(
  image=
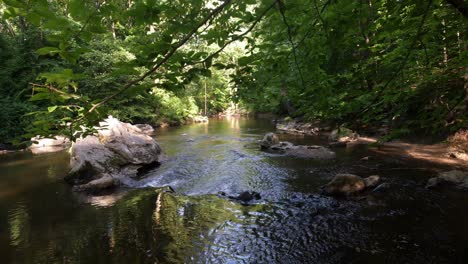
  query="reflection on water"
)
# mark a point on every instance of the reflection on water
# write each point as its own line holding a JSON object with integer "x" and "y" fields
{"x": 42, "y": 221}
{"x": 19, "y": 225}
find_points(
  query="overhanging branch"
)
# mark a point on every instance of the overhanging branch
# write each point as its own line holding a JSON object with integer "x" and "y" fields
{"x": 237, "y": 37}
{"x": 166, "y": 57}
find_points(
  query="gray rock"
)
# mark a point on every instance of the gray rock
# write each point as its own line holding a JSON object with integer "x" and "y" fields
{"x": 246, "y": 196}
{"x": 117, "y": 152}
{"x": 271, "y": 143}
{"x": 313, "y": 152}
{"x": 457, "y": 177}
{"x": 269, "y": 140}
{"x": 372, "y": 181}
{"x": 349, "y": 184}
{"x": 146, "y": 129}
{"x": 282, "y": 146}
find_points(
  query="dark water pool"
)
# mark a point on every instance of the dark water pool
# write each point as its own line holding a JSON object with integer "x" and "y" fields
{"x": 42, "y": 221}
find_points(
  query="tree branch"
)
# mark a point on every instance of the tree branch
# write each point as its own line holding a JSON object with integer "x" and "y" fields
{"x": 166, "y": 57}
{"x": 405, "y": 59}
{"x": 53, "y": 89}
{"x": 237, "y": 37}
{"x": 281, "y": 8}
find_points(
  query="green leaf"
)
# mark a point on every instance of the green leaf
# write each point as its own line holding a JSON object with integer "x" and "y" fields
{"x": 14, "y": 3}
{"x": 40, "y": 96}
{"x": 47, "y": 50}
{"x": 77, "y": 9}
{"x": 51, "y": 108}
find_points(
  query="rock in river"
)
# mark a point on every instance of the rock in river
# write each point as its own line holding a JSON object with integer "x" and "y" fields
{"x": 45, "y": 145}
{"x": 271, "y": 143}
{"x": 457, "y": 177}
{"x": 269, "y": 140}
{"x": 348, "y": 184}
{"x": 146, "y": 129}
{"x": 118, "y": 151}
{"x": 243, "y": 197}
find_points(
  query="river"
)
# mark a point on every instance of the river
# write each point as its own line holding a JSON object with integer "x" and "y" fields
{"x": 43, "y": 221}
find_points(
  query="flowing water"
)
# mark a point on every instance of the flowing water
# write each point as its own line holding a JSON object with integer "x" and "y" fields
{"x": 43, "y": 221}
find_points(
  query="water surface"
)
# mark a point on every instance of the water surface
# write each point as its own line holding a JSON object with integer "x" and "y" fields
{"x": 43, "y": 221}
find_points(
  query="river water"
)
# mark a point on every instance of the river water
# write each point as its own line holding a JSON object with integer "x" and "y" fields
{"x": 43, "y": 221}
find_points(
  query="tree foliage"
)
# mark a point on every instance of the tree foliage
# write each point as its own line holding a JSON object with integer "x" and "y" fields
{"x": 71, "y": 62}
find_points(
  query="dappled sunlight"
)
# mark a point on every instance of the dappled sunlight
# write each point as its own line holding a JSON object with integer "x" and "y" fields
{"x": 229, "y": 125}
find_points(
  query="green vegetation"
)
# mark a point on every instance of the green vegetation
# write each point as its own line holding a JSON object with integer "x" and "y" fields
{"x": 66, "y": 64}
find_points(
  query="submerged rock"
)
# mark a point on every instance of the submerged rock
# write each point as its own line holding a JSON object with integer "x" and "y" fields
{"x": 348, "y": 184}
{"x": 339, "y": 144}
{"x": 118, "y": 151}
{"x": 244, "y": 196}
{"x": 46, "y": 145}
{"x": 313, "y": 152}
{"x": 457, "y": 177}
{"x": 382, "y": 188}
{"x": 282, "y": 146}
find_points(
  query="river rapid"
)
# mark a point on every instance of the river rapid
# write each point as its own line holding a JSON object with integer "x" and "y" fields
{"x": 43, "y": 221}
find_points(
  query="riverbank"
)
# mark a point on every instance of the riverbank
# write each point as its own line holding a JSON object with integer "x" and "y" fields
{"x": 448, "y": 153}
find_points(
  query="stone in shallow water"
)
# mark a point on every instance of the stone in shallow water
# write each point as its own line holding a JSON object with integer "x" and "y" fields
{"x": 244, "y": 197}
{"x": 348, "y": 184}
{"x": 313, "y": 152}
{"x": 46, "y": 145}
{"x": 460, "y": 178}
{"x": 271, "y": 143}
{"x": 118, "y": 151}
{"x": 269, "y": 140}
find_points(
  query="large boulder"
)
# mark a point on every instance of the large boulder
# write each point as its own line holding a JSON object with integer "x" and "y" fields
{"x": 45, "y": 145}
{"x": 118, "y": 151}
{"x": 349, "y": 184}
{"x": 457, "y": 177}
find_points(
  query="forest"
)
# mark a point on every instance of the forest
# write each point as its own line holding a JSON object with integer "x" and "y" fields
{"x": 233, "y": 131}
{"x": 66, "y": 64}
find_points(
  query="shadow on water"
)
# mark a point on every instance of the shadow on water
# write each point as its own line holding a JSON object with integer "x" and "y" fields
{"x": 42, "y": 221}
